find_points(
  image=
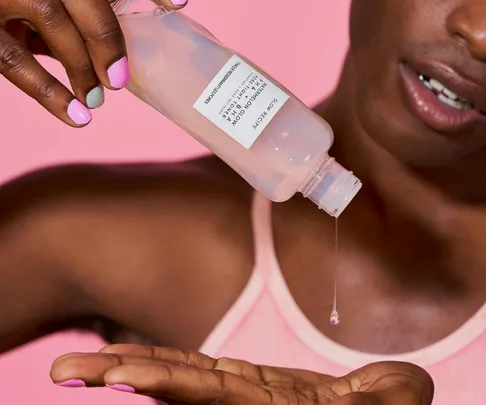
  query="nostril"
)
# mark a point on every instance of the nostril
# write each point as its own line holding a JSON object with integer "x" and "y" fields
{"x": 467, "y": 26}
{"x": 459, "y": 37}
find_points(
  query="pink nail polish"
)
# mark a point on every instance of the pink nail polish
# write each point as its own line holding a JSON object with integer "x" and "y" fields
{"x": 178, "y": 3}
{"x": 119, "y": 73}
{"x": 74, "y": 383}
{"x": 78, "y": 113}
{"x": 121, "y": 387}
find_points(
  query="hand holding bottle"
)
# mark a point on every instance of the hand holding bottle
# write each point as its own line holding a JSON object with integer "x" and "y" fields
{"x": 83, "y": 35}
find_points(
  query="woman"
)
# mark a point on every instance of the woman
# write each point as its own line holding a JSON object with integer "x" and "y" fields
{"x": 173, "y": 248}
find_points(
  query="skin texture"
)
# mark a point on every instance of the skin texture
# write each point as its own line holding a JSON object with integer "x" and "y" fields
{"x": 107, "y": 247}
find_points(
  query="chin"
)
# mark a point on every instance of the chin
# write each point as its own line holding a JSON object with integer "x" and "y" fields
{"x": 409, "y": 141}
{"x": 388, "y": 121}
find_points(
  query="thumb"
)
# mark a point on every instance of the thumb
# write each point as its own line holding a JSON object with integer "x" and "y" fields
{"x": 364, "y": 398}
{"x": 120, "y": 5}
{"x": 391, "y": 383}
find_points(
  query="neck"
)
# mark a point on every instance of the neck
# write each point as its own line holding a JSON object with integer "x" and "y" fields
{"x": 408, "y": 226}
{"x": 430, "y": 216}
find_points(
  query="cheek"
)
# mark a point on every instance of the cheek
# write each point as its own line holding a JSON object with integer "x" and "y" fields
{"x": 374, "y": 35}
{"x": 380, "y": 25}
{"x": 376, "y": 22}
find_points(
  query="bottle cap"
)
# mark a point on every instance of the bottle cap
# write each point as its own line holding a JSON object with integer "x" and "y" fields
{"x": 334, "y": 189}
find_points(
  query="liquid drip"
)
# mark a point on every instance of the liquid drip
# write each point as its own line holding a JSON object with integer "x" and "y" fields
{"x": 334, "y": 318}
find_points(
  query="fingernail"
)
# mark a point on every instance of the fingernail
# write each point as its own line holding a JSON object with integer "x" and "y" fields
{"x": 78, "y": 113}
{"x": 178, "y": 3}
{"x": 121, "y": 387}
{"x": 119, "y": 73}
{"x": 96, "y": 97}
{"x": 72, "y": 383}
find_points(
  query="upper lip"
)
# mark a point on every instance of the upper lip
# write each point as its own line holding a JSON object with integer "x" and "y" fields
{"x": 455, "y": 81}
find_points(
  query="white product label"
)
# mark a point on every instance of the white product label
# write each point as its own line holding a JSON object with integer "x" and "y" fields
{"x": 240, "y": 101}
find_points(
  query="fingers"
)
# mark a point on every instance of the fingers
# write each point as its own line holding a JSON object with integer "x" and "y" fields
{"x": 90, "y": 368}
{"x": 156, "y": 378}
{"x": 163, "y": 380}
{"x": 172, "y": 4}
{"x": 22, "y": 69}
{"x": 102, "y": 35}
{"x": 249, "y": 371}
{"x": 187, "y": 384}
{"x": 55, "y": 26}
{"x": 31, "y": 40}
{"x": 83, "y": 35}
{"x": 163, "y": 353}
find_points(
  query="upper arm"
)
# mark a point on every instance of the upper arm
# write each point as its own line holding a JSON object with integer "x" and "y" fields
{"x": 128, "y": 243}
{"x": 158, "y": 246}
{"x": 36, "y": 294}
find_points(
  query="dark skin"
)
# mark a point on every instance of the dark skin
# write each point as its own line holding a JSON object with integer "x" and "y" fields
{"x": 174, "y": 376}
{"x": 412, "y": 243}
{"x": 83, "y": 35}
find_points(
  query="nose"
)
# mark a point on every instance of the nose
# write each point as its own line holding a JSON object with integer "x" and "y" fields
{"x": 467, "y": 23}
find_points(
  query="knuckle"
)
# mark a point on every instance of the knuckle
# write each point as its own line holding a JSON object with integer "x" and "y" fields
{"x": 46, "y": 10}
{"x": 226, "y": 362}
{"x": 46, "y": 89}
{"x": 82, "y": 68}
{"x": 151, "y": 351}
{"x": 12, "y": 56}
{"x": 222, "y": 379}
{"x": 339, "y": 388}
{"x": 191, "y": 357}
{"x": 105, "y": 33}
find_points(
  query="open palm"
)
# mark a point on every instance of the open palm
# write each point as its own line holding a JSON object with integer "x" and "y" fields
{"x": 173, "y": 375}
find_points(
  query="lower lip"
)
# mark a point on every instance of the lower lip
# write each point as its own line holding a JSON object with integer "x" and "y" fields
{"x": 430, "y": 109}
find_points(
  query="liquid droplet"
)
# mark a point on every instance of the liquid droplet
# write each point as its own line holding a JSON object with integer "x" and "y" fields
{"x": 334, "y": 318}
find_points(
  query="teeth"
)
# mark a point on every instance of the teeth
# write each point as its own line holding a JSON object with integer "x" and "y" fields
{"x": 427, "y": 84}
{"x": 448, "y": 101}
{"x": 444, "y": 94}
{"x": 457, "y": 104}
{"x": 450, "y": 94}
{"x": 437, "y": 85}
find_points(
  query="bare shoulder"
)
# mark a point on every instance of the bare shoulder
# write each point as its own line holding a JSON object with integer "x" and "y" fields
{"x": 143, "y": 239}
{"x": 102, "y": 180}
{"x": 192, "y": 185}
{"x": 175, "y": 201}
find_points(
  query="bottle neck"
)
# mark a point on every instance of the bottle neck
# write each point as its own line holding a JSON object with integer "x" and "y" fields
{"x": 331, "y": 187}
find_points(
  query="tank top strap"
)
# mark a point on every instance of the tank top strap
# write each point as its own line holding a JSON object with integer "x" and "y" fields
{"x": 263, "y": 234}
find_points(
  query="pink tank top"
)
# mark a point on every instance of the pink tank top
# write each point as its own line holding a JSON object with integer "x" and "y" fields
{"x": 265, "y": 326}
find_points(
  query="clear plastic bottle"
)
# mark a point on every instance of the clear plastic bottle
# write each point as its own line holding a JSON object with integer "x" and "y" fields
{"x": 274, "y": 141}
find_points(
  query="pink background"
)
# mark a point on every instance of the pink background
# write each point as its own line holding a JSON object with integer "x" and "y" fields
{"x": 300, "y": 44}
